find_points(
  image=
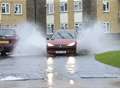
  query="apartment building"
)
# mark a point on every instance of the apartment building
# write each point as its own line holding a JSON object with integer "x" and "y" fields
{"x": 64, "y": 15}
{"x": 36, "y": 12}
{"x": 108, "y": 13}
{"x": 89, "y": 13}
{"x": 13, "y": 12}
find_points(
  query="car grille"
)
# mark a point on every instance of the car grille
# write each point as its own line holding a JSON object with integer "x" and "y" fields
{"x": 60, "y": 46}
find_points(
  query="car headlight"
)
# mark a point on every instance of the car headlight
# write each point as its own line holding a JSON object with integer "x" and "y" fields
{"x": 49, "y": 44}
{"x": 71, "y": 44}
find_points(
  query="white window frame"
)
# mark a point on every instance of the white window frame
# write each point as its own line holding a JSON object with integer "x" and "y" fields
{"x": 5, "y": 8}
{"x": 65, "y": 8}
{"x": 107, "y": 27}
{"x": 18, "y": 13}
{"x": 50, "y": 8}
{"x": 64, "y": 26}
{"x": 106, "y": 5}
{"x": 77, "y": 5}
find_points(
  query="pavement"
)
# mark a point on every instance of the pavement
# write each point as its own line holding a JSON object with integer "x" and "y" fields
{"x": 83, "y": 83}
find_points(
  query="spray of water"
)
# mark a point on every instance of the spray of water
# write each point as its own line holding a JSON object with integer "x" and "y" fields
{"x": 94, "y": 40}
{"x": 31, "y": 41}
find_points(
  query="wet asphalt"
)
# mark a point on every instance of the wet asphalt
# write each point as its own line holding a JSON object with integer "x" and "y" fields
{"x": 89, "y": 83}
{"x": 40, "y": 67}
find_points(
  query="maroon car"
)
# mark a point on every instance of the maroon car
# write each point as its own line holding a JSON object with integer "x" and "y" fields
{"x": 7, "y": 41}
{"x": 62, "y": 43}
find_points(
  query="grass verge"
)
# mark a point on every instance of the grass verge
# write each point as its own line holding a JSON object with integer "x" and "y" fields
{"x": 110, "y": 58}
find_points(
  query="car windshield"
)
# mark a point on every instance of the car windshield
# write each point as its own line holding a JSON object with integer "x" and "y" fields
{"x": 7, "y": 32}
{"x": 63, "y": 35}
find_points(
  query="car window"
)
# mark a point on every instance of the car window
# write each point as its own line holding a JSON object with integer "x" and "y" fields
{"x": 63, "y": 35}
{"x": 7, "y": 32}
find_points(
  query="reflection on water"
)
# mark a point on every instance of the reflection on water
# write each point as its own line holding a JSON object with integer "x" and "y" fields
{"x": 71, "y": 82}
{"x": 50, "y": 79}
{"x": 50, "y": 69}
{"x": 50, "y": 64}
{"x": 50, "y": 61}
{"x": 70, "y": 65}
{"x": 70, "y": 68}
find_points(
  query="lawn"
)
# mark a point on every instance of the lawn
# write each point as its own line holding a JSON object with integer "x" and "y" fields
{"x": 110, "y": 58}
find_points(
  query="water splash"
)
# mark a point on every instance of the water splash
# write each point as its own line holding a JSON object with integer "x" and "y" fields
{"x": 31, "y": 41}
{"x": 95, "y": 40}
{"x": 9, "y": 78}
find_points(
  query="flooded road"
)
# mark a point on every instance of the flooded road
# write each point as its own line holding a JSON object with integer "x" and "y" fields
{"x": 59, "y": 68}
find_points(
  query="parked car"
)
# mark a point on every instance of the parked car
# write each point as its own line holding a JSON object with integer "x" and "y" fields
{"x": 8, "y": 40}
{"x": 62, "y": 42}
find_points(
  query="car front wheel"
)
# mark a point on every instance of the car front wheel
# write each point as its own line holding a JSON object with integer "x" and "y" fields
{"x": 3, "y": 53}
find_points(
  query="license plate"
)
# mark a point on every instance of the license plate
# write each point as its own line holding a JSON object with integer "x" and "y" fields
{"x": 4, "y": 42}
{"x": 60, "y": 52}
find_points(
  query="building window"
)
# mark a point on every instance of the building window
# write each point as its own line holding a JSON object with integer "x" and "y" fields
{"x": 78, "y": 26}
{"x": 78, "y": 6}
{"x": 107, "y": 27}
{"x": 50, "y": 28}
{"x": 106, "y": 5}
{"x": 64, "y": 26}
{"x": 5, "y": 8}
{"x": 63, "y": 7}
{"x": 18, "y": 9}
{"x": 50, "y": 8}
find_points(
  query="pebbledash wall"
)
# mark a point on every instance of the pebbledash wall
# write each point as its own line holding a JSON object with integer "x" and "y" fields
{"x": 64, "y": 15}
